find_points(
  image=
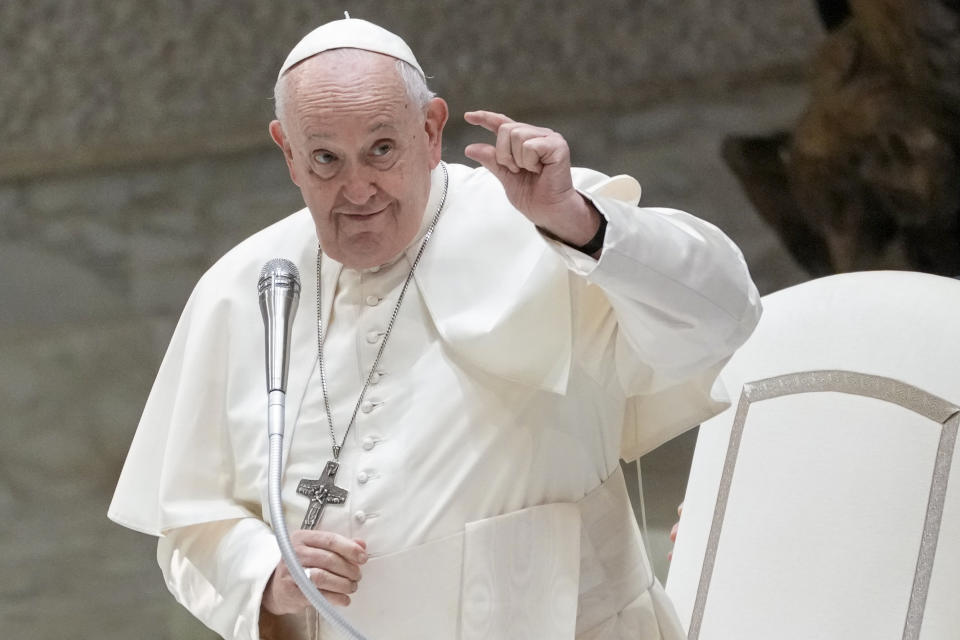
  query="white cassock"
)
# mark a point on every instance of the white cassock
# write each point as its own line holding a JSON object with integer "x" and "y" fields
{"x": 483, "y": 470}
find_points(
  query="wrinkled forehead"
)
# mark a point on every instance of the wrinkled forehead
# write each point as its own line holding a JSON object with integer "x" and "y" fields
{"x": 339, "y": 74}
{"x": 343, "y": 92}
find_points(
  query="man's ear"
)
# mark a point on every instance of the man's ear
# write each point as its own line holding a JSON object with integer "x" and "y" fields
{"x": 437, "y": 114}
{"x": 276, "y": 132}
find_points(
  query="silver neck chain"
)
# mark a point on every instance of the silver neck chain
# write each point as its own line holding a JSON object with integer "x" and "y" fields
{"x": 386, "y": 334}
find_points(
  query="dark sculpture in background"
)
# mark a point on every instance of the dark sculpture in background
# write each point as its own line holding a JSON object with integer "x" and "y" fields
{"x": 870, "y": 176}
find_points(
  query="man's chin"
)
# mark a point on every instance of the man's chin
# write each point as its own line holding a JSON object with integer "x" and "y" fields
{"x": 367, "y": 251}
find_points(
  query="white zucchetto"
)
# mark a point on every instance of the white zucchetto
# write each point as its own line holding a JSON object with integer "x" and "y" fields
{"x": 350, "y": 33}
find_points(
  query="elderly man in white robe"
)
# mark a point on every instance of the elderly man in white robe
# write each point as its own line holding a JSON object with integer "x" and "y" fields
{"x": 485, "y": 345}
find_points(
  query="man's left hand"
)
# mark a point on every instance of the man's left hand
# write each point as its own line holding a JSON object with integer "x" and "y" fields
{"x": 533, "y": 164}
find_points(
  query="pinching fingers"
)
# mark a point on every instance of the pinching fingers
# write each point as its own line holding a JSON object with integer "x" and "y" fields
{"x": 487, "y": 119}
{"x": 537, "y": 151}
{"x": 522, "y": 146}
{"x": 485, "y": 154}
{"x": 505, "y": 148}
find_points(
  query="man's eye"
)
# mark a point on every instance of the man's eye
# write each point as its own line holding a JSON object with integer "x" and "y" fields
{"x": 382, "y": 149}
{"x": 323, "y": 157}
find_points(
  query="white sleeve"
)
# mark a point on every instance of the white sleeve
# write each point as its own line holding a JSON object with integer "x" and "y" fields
{"x": 682, "y": 301}
{"x": 680, "y": 289}
{"x": 218, "y": 571}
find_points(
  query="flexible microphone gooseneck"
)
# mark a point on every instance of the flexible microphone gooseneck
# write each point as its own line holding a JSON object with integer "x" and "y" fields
{"x": 279, "y": 291}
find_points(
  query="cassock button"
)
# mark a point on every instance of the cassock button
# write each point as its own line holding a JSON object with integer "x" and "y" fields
{"x": 367, "y": 406}
{"x": 360, "y": 516}
{"x": 373, "y": 336}
{"x": 362, "y": 477}
{"x": 373, "y": 301}
{"x": 368, "y": 443}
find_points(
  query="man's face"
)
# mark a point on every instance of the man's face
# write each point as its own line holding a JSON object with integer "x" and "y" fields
{"x": 360, "y": 152}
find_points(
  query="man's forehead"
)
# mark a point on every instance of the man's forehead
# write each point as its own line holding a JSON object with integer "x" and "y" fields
{"x": 333, "y": 111}
{"x": 343, "y": 82}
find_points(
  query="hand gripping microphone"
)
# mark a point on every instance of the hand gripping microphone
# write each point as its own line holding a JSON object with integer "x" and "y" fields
{"x": 279, "y": 291}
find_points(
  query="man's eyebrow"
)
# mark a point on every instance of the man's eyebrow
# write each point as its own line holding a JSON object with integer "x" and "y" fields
{"x": 377, "y": 126}
{"x": 380, "y": 125}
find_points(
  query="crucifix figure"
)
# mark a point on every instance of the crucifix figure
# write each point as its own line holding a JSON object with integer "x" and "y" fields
{"x": 321, "y": 492}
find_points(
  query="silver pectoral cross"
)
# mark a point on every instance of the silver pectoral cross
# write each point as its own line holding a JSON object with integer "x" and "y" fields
{"x": 321, "y": 492}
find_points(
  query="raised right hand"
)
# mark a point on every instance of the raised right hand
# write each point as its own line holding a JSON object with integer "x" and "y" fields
{"x": 332, "y": 562}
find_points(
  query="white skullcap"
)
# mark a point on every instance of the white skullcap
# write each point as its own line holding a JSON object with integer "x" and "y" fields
{"x": 350, "y": 33}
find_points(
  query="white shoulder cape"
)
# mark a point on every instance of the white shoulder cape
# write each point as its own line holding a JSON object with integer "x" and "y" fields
{"x": 484, "y": 279}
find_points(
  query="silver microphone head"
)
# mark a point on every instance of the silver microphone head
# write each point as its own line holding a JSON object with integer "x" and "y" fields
{"x": 280, "y": 272}
{"x": 279, "y": 291}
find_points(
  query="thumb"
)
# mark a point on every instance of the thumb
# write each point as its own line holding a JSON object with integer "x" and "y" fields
{"x": 486, "y": 155}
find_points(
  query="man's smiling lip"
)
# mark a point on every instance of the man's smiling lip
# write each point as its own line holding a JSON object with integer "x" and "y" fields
{"x": 366, "y": 214}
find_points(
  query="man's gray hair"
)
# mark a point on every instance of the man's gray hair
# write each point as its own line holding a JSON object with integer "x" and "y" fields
{"x": 413, "y": 81}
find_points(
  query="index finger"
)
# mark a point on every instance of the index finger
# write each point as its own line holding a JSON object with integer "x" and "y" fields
{"x": 487, "y": 119}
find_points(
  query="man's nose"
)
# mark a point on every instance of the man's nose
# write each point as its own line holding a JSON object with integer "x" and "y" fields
{"x": 358, "y": 185}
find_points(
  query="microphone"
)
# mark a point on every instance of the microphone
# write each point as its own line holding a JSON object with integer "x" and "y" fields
{"x": 279, "y": 290}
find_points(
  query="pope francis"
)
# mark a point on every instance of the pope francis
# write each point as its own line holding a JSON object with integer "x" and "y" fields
{"x": 475, "y": 351}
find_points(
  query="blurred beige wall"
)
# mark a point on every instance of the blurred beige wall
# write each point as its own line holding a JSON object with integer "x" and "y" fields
{"x": 135, "y": 152}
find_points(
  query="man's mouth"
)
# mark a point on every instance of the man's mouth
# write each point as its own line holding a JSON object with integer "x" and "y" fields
{"x": 364, "y": 214}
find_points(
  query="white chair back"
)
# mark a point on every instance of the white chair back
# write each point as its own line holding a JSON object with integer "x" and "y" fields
{"x": 825, "y": 503}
